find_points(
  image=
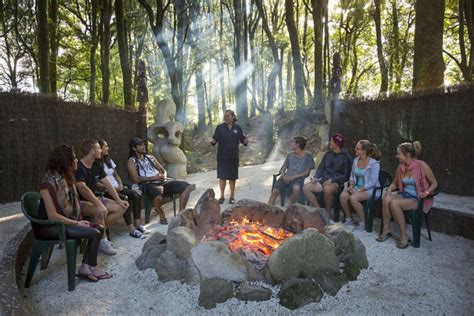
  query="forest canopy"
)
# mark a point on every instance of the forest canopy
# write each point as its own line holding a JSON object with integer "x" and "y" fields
{"x": 254, "y": 56}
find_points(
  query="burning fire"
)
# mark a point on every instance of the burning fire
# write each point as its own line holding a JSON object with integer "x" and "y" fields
{"x": 253, "y": 240}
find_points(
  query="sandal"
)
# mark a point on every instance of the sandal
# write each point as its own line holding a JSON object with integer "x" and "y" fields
{"x": 231, "y": 201}
{"x": 163, "y": 221}
{"x": 142, "y": 229}
{"x": 102, "y": 275}
{"x": 90, "y": 277}
{"x": 221, "y": 200}
{"x": 382, "y": 238}
{"x": 404, "y": 245}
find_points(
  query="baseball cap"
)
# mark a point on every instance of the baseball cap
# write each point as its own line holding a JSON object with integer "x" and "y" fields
{"x": 135, "y": 141}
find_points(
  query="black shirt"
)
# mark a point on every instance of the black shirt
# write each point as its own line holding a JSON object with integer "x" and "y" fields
{"x": 90, "y": 175}
{"x": 228, "y": 139}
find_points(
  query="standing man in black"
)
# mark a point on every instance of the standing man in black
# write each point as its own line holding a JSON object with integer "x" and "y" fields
{"x": 228, "y": 135}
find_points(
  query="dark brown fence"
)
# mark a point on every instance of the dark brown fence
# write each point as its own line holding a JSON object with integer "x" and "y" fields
{"x": 442, "y": 121}
{"x": 32, "y": 125}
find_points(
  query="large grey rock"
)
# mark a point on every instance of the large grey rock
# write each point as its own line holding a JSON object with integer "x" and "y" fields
{"x": 148, "y": 259}
{"x": 255, "y": 211}
{"x": 215, "y": 290}
{"x": 252, "y": 292}
{"x": 208, "y": 213}
{"x": 349, "y": 249}
{"x": 155, "y": 239}
{"x": 180, "y": 241}
{"x": 300, "y": 217}
{"x": 215, "y": 260}
{"x": 343, "y": 239}
{"x": 187, "y": 218}
{"x": 360, "y": 257}
{"x": 304, "y": 255}
{"x": 151, "y": 251}
{"x": 331, "y": 282}
{"x": 169, "y": 267}
{"x": 295, "y": 293}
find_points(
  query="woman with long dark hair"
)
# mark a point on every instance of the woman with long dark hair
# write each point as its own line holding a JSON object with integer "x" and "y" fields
{"x": 135, "y": 229}
{"x": 60, "y": 202}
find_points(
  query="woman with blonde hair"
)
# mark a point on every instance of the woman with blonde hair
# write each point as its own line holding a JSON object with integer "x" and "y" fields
{"x": 364, "y": 178}
{"x": 414, "y": 180}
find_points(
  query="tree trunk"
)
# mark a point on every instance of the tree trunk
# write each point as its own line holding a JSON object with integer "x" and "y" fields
{"x": 318, "y": 101}
{"x": 327, "y": 62}
{"x": 240, "y": 72}
{"x": 93, "y": 48}
{"x": 181, "y": 58}
{"x": 382, "y": 64}
{"x": 395, "y": 64}
{"x": 295, "y": 53}
{"x": 289, "y": 80}
{"x": 271, "y": 87}
{"x": 428, "y": 64}
{"x": 43, "y": 45}
{"x": 106, "y": 12}
{"x": 123, "y": 52}
{"x": 220, "y": 64}
{"x": 157, "y": 27}
{"x": 53, "y": 17}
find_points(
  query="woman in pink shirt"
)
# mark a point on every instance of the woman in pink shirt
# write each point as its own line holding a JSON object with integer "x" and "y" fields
{"x": 414, "y": 180}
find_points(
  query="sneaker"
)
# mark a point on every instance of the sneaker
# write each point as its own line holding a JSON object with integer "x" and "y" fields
{"x": 349, "y": 223}
{"x": 137, "y": 234}
{"x": 360, "y": 227}
{"x": 142, "y": 229}
{"x": 106, "y": 247}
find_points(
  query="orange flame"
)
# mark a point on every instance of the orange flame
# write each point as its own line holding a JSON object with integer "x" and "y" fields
{"x": 245, "y": 236}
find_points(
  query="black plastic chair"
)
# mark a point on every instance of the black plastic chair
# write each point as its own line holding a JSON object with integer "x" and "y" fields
{"x": 44, "y": 248}
{"x": 375, "y": 203}
{"x": 414, "y": 218}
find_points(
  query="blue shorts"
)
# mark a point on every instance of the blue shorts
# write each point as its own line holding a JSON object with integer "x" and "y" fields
{"x": 406, "y": 195}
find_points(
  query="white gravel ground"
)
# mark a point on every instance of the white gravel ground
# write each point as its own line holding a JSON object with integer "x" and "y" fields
{"x": 437, "y": 278}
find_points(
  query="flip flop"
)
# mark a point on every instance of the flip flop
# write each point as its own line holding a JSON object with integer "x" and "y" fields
{"x": 221, "y": 200}
{"x": 231, "y": 201}
{"x": 88, "y": 277}
{"x": 164, "y": 221}
{"x": 382, "y": 238}
{"x": 403, "y": 246}
{"x": 104, "y": 276}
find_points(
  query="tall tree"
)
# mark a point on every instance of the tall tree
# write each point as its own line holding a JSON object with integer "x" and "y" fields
{"x": 122, "y": 39}
{"x": 277, "y": 63}
{"x": 43, "y": 45}
{"x": 106, "y": 13}
{"x": 157, "y": 26}
{"x": 317, "y": 11}
{"x": 295, "y": 53}
{"x": 53, "y": 27}
{"x": 380, "y": 56}
{"x": 93, "y": 48}
{"x": 428, "y": 63}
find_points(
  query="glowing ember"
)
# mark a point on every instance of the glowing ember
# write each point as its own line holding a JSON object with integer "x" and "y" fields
{"x": 253, "y": 240}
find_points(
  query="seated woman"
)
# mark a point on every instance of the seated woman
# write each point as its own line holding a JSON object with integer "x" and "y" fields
{"x": 414, "y": 180}
{"x": 59, "y": 202}
{"x": 135, "y": 229}
{"x": 364, "y": 178}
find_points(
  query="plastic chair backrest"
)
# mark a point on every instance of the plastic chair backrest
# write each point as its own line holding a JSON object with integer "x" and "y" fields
{"x": 385, "y": 178}
{"x": 30, "y": 204}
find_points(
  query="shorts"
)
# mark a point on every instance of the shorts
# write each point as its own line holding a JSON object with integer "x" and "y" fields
{"x": 104, "y": 201}
{"x": 152, "y": 190}
{"x": 406, "y": 195}
{"x": 282, "y": 186}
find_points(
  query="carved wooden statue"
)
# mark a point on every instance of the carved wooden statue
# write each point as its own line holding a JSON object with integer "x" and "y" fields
{"x": 166, "y": 134}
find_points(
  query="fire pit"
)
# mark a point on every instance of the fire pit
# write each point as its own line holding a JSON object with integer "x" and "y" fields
{"x": 254, "y": 241}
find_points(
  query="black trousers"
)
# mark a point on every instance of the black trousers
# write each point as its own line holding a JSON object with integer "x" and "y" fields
{"x": 134, "y": 198}
{"x": 75, "y": 232}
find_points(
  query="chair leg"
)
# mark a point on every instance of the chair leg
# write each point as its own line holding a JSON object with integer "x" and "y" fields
{"x": 336, "y": 208}
{"x": 427, "y": 221}
{"x": 46, "y": 255}
{"x": 174, "y": 203}
{"x": 416, "y": 228}
{"x": 282, "y": 198}
{"x": 369, "y": 216}
{"x": 71, "y": 252}
{"x": 148, "y": 206}
{"x": 36, "y": 251}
